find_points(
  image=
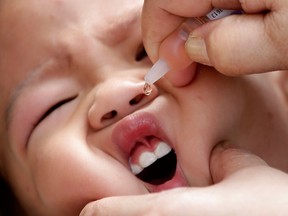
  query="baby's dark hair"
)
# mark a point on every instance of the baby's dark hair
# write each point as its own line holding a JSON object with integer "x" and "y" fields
{"x": 8, "y": 202}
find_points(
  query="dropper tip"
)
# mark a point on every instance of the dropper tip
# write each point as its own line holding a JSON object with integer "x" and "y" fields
{"x": 158, "y": 70}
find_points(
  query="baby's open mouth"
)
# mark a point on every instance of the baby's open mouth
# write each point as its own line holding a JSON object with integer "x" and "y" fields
{"x": 153, "y": 161}
{"x": 151, "y": 156}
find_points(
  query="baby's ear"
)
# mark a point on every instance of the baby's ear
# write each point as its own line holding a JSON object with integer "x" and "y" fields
{"x": 282, "y": 82}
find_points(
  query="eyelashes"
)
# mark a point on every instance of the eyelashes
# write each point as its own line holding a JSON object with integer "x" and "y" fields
{"x": 54, "y": 108}
{"x": 140, "y": 55}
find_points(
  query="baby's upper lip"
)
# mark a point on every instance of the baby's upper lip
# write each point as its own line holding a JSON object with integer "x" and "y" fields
{"x": 135, "y": 127}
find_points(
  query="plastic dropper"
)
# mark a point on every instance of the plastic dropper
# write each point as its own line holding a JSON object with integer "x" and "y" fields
{"x": 160, "y": 68}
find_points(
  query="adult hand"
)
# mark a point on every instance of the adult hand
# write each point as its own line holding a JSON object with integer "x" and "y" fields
{"x": 244, "y": 185}
{"x": 253, "y": 42}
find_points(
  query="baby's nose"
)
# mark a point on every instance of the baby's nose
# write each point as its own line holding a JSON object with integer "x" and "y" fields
{"x": 116, "y": 99}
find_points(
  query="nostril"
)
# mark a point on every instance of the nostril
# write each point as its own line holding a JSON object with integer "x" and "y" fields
{"x": 109, "y": 115}
{"x": 136, "y": 99}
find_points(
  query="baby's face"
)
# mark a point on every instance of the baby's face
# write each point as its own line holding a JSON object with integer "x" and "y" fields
{"x": 75, "y": 121}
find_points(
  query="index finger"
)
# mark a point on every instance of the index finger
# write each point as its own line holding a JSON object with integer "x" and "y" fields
{"x": 161, "y": 17}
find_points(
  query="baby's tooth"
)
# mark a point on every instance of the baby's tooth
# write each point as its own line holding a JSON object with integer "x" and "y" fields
{"x": 162, "y": 150}
{"x": 136, "y": 169}
{"x": 146, "y": 159}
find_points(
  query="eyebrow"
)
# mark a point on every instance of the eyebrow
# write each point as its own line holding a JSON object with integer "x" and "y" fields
{"x": 34, "y": 74}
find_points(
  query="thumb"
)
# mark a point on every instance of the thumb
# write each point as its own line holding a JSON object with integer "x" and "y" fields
{"x": 227, "y": 159}
{"x": 239, "y": 44}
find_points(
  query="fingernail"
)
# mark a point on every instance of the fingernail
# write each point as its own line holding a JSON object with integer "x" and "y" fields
{"x": 188, "y": 26}
{"x": 225, "y": 144}
{"x": 196, "y": 49}
{"x": 184, "y": 33}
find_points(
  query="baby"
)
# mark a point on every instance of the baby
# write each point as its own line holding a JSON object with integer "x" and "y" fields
{"x": 76, "y": 126}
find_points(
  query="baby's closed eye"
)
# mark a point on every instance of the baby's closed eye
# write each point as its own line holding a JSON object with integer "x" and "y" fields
{"x": 55, "y": 107}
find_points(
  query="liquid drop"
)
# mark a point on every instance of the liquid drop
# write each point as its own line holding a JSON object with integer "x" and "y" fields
{"x": 147, "y": 89}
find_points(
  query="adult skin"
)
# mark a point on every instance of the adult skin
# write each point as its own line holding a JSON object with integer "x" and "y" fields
{"x": 253, "y": 42}
{"x": 74, "y": 121}
{"x": 233, "y": 193}
{"x": 230, "y": 167}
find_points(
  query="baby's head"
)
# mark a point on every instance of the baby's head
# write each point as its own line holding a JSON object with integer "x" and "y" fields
{"x": 75, "y": 122}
